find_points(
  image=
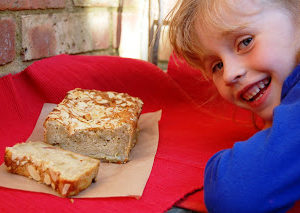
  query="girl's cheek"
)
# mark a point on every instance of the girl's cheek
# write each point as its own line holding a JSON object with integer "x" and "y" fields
{"x": 262, "y": 57}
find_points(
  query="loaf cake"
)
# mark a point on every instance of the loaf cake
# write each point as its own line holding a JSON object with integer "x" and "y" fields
{"x": 66, "y": 172}
{"x": 98, "y": 124}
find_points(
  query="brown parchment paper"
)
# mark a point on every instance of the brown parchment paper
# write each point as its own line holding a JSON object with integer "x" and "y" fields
{"x": 114, "y": 180}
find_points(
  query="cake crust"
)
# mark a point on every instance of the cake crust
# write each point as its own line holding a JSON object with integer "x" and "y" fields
{"x": 66, "y": 172}
{"x": 98, "y": 124}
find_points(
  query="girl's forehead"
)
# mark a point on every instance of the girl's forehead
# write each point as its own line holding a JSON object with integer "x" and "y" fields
{"x": 226, "y": 14}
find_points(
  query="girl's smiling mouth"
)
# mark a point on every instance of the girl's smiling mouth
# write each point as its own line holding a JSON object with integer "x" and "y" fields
{"x": 254, "y": 92}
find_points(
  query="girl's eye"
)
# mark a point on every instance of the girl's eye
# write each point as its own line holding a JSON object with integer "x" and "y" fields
{"x": 245, "y": 43}
{"x": 217, "y": 67}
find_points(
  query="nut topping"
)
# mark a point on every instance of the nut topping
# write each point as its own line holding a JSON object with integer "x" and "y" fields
{"x": 65, "y": 189}
{"x": 87, "y": 117}
{"x": 53, "y": 175}
{"x": 95, "y": 109}
{"x": 47, "y": 179}
{"x": 33, "y": 173}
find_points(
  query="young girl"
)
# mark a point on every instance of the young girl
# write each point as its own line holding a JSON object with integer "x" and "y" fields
{"x": 250, "y": 50}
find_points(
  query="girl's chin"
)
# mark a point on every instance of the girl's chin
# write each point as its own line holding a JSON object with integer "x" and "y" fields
{"x": 267, "y": 117}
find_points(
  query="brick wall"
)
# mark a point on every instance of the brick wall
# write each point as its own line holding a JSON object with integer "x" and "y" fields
{"x": 35, "y": 29}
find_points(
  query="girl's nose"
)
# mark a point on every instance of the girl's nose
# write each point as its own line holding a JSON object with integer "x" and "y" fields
{"x": 233, "y": 72}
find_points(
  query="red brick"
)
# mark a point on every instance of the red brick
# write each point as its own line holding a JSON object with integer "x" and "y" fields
{"x": 96, "y": 3}
{"x": 7, "y": 40}
{"x": 43, "y": 41}
{"x": 48, "y": 35}
{"x": 31, "y": 4}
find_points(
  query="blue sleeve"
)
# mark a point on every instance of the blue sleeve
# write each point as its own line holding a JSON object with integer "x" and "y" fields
{"x": 261, "y": 174}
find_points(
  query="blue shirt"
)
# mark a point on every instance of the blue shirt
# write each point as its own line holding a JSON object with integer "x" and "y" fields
{"x": 261, "y": 174}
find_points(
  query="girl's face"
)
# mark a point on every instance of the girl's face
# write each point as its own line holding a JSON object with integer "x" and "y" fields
{"x": 250, "y": 62}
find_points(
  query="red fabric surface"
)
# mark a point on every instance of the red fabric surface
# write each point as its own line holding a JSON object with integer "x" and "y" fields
{"x": 190, "y": 131}
{"x": 23, "y": 95}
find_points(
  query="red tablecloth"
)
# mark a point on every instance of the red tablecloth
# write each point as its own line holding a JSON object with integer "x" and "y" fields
{"x": 191, "y": 131}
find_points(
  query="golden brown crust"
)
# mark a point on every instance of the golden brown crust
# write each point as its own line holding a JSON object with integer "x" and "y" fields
{"x": 23, "y": 164}
{"x": 93, "y": 109}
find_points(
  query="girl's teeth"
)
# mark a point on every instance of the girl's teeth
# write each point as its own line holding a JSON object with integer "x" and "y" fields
{"x": 253, "y": 91}
{"x": 261, "y": 85}
{"x": 259, "y": 96}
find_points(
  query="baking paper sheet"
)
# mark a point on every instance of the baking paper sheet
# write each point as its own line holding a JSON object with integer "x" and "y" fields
{"x": 114, "y": 180}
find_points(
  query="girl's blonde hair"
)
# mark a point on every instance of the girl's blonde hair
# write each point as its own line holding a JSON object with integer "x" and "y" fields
{"x": 182, "y": 18}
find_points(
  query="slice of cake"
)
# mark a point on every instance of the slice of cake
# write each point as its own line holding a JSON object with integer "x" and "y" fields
{"x": 68, "y": 173}
{"x": 98, "y": 124}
